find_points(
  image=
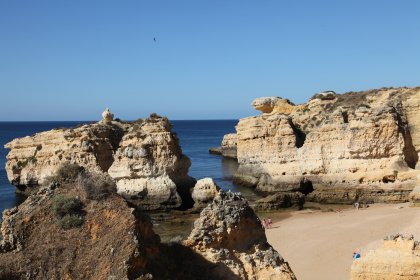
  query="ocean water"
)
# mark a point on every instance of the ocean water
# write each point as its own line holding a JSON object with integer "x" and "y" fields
{"x": 196, "y": 137}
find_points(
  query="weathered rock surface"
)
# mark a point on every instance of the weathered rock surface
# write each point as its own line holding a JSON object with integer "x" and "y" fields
{"x": 228, "y": 148}
{"x": 281, "y": 200}
{"x": 117, "y": 242}
{"x": 143, "y": 157}
{"x": 398, "y": 258}
{"x": 149, "y": 165}
{"x": 114, "y": 241}
{"x": 230, "y": 235}
{"x": 204, "y": 191}
{"x": 357, "y": 146}
{"x": 415, "y": 194}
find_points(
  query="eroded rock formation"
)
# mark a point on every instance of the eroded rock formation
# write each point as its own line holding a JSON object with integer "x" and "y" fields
{"x": 397, "y": 259}
{"x": 335, "y": 148}
{"x": 117, "y": 242}
{"x": 230, "y": 235}
{"x": 114, "y": 241}
{"x": 281, "y": 200}
{"x": 143, "y": 157}
{"x": 228, "y": 148}
{"x": 415, "y": 194}
{"x": 204, "y": 191}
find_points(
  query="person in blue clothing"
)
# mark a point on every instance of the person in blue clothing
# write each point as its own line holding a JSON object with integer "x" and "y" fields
{"x": 356, "y": 255}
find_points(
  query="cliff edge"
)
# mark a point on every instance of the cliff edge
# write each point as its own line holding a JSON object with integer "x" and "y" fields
{"x": 143, "y": 157}
{"x": 336, "y": 148}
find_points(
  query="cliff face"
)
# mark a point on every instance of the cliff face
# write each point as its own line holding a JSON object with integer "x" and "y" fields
{"x": 335, "y": 148}
{"x": 228, "y": 147}
{"x": 149, "y": 165}
{"x": 143, "y": 157}
{"x": 114, "y": 240}
{"x": 398, "y": 258}
{"x": 229, "y": 234}
{"x": 117, "y": 242}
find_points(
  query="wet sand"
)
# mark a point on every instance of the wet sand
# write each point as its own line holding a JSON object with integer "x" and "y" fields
{"x": 319, "y": 244}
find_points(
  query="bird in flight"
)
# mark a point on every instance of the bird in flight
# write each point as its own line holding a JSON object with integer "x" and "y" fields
{"x": 154, "y": 39}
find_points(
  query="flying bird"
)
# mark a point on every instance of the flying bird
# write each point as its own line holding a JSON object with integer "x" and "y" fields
{"x": 154, "y": 39}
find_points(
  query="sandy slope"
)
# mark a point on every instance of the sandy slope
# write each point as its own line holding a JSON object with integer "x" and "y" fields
{"x": 319, "y": 245}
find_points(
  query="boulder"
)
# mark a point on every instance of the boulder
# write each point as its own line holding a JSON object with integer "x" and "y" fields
{"x": 230, "y": 235}
{"x": 204, "y": 191}
{"x": 107, "y": 116}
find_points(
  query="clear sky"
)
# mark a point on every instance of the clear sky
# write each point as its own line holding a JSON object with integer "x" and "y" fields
{"x": 68, "y": 60}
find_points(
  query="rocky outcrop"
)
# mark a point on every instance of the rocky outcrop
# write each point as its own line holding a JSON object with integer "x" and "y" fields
{"x": 230, "y": 235}
{"x": 204, "y": 191}
{"x": 281, "y": 200}
{"x": 143, "y": 157}
{"x": 115, "y": 241}
{"x": 149, "y": 166}
{"x": 415, "y": 194}
{"x": 228, "y": 148}
{"x": 337, "y": 148}
{"x": 398, "y": 258}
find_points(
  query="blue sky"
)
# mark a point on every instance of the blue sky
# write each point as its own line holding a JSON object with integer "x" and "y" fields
{"x": 68, "y": 60}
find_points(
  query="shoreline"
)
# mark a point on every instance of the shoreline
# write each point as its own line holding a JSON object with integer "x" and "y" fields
{"x": 313, "y": 240}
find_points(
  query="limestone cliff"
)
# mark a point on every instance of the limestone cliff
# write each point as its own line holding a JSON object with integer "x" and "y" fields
{"x": 143, "y": 157}
{"x": 336, "y": 148}
{"x": 228, "y": 147}
{"x": 229, "y": 234}
{"x": 398, "y": 258}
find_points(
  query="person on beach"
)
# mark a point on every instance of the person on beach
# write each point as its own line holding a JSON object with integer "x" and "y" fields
{"x": 264, "y": 223}
{"x": 356, "y": 255}
{"x": 356, "y": 205}
{"x": 269, "y": 223}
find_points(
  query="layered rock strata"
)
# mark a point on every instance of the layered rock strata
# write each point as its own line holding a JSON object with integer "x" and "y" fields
{"x": 358, "y": 146}
{"x": 143, "y": 157}
{"x": 229, "y": 234}
{"x": 415, "y": 194}
{"x": 228, "y": 147}
{"x": 397, "y": 259}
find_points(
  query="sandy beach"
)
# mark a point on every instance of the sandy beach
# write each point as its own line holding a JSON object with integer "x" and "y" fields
{"x": 319, "y": 245}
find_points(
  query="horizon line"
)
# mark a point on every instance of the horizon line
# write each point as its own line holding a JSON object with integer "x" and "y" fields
{"x": 90, "y": 121}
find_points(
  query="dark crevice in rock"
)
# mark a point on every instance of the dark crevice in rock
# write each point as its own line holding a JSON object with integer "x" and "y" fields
{"x": 105, "y": 156}
{"x": 345, "y": 117}
{"x": 184, "y": 187}
{"x": 306, "y": 186}
{"x": 410, "y": 155}
{"x": 299, "y": 134}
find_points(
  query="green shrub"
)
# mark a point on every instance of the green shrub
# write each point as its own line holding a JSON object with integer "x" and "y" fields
{"x": 67, "y": 206}
{"x": 96, "y": 185}
{"x": 69, "y": 211}
{"x": 70, "y": 221}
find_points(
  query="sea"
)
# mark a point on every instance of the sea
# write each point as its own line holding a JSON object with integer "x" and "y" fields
{"x": 196, "y": 137}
